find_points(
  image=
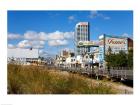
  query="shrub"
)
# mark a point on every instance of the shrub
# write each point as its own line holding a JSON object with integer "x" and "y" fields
{"x": 39, "y": 80}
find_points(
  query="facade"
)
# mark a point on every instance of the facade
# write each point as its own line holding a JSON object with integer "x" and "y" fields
{"x": 81, "y": 34}
{"x": 91, "y": 58}
{"x": 65, "y": 58}
{"x": 70, "y": 62}
{"x": 22, "y": 56}
{"x": 130, "y": 44}
{"x": 96, "y": 56}
{"x": 116, "y": 43}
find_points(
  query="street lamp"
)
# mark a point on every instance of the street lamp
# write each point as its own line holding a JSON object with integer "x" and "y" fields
{"x": 92, "y": 56}
{"x": 93, "y": 71}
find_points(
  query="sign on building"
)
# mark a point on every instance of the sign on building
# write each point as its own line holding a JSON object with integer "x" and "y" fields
{"x": 87, "y": 43}
{"x": 116, "y": 44}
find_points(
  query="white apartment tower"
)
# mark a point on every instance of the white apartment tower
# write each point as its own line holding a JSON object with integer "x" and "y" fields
{"x": 82, "y": 34}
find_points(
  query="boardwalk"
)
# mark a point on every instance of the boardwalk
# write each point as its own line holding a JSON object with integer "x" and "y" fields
{"x": 119, "y": 74}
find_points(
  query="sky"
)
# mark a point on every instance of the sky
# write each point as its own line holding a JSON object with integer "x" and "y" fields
{"x": 51, "y": 31}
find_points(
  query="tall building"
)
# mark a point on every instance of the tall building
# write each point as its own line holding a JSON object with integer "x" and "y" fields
{"x": 82, "y": 34}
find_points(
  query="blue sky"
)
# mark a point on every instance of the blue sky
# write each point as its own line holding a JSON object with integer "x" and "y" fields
{"x": 53, "y": 30}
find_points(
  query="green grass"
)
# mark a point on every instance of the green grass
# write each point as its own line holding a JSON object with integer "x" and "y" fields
{"x": 37, "y": 80}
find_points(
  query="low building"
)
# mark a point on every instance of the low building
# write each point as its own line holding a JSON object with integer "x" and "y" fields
{"x": 70, "y": 62}
{"x": 23, "y": 56}
{"x": 65, "y": 59}
{"x": 130, "y": 44}
{"x": 60, "y": 61}
{"x": 96, "y": 56}
{"x": 91, "y": 59}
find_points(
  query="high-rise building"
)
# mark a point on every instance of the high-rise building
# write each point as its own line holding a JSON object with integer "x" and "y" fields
{"x": 82, "y": 34}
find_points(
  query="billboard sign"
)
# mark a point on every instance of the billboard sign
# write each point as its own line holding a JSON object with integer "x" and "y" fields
{"x": 116, "y": 41}
{"x": 116, "y": 44}
{"x": 101, "y": 50}
{"x": 87, "y": 43}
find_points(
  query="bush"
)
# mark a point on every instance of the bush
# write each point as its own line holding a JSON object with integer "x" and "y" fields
{"x": 38, "y": 80}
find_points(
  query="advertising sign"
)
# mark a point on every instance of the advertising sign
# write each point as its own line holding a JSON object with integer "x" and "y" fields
{"x": 119, "y": 42}
{"x": 116, "y": 44}
{"x": 101, "y": 50}
{"x": 87, "y": 43}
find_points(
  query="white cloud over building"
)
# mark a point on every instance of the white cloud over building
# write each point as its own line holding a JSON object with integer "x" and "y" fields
{"x": 38, "y": 39}
{"x": 57, "y": 42}
{"x": 95, "y": 14}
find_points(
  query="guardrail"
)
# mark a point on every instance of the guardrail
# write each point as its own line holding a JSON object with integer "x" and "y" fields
{"x": 120, "y": 74}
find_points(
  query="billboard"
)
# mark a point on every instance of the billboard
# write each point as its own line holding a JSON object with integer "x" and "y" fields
{"x": 87, "y": 43}
{"x": 101, "y": 50}
{"x": 116, "y": 44}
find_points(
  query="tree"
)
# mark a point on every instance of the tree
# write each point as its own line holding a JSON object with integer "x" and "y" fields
{"x": 120, "y": 59}
{"x": 130, "y": 58}
{"x": 108, "y": 58}
{"x": 41, "y": 58}
{"x": 109, "y": 50}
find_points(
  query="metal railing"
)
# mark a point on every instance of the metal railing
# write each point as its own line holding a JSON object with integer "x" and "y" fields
{"x": 120, "y": 74}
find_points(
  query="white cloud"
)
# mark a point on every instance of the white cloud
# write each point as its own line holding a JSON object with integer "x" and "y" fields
{"x": 42, "y": 42}
{"x": 12, "y": 36}
{"x": 95, "y": 14}
{"x": 10, "y": 46}
{"x": 24, "y": 44}
{"x": 55, "y": 35}
{"x": 28, "y": 35}
{"x": 42, "y": 36}
{"x": 41, "y": 51}
{"x": 60, "y": 35}
{"x": 31, "y": 35}
{"x": 71, "y": 18}
{"x": 125, "y": 35}
{"x": 33, "y": 44}
{"x": 38, "y": 46}
{"x": 37, "y": 40}
{"x": 69, "y": 35}
{"x": 57, "y": 42}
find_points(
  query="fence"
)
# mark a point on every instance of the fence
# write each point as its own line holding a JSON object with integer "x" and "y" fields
{"x": 120, "y": 74}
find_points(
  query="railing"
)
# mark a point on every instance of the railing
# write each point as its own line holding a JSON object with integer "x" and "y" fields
{"x": 120, "y": 74}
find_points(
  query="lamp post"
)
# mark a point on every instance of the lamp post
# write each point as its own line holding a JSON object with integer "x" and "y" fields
{"x": 91, "y": 56}
{"x": 93, "y": 71}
